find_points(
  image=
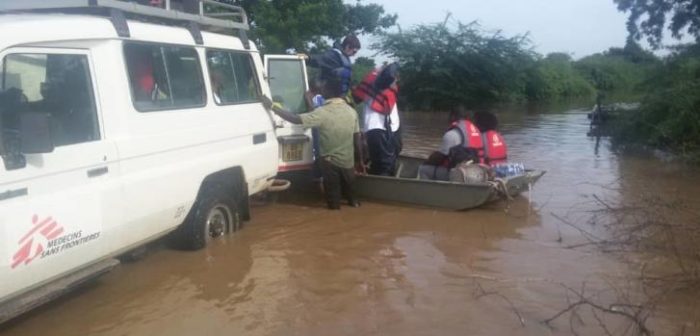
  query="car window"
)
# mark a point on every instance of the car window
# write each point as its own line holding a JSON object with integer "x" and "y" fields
{"x": 287, "y": 83}
{"x": 233, "y": 78}
{"x": 164, "y": 77}
{"x": 56, "y": 84}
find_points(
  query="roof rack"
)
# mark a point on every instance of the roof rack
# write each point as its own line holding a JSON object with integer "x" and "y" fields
{"x": 210, "y": 15}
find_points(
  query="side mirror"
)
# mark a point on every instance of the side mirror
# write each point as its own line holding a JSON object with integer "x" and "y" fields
{"x": 35, "y": 133}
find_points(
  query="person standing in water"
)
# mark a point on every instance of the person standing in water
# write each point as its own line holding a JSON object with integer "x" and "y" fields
{"x": 339, "y": 134}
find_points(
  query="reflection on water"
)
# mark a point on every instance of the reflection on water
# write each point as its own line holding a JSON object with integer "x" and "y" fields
{"x": 298, "y": 269}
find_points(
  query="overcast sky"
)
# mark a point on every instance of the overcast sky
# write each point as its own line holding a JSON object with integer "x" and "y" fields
{"x": 579, "y": 27}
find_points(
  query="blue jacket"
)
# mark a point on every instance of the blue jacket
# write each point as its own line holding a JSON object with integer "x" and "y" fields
{"x": 334, "y": 63}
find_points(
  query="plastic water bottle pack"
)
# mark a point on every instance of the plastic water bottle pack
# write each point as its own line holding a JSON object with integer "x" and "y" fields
{"x": 509, "y": 169}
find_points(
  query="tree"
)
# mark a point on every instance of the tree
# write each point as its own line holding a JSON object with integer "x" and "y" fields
{"x": 648, "y": 18}
{"x": 554, "y": 76}
{"x": 632, "y": 52}
{"x": 361, "y": 67}
{"x": 307, "y": 25}
{"x": 446, "y": 64}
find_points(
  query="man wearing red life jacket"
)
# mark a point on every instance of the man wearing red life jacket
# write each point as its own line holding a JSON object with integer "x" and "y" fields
{"x": 462, "y": 142}
{"x": 380, "y": 122}
{"x": 495, "y": 148}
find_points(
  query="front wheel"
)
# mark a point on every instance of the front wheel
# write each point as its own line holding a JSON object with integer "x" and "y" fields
{"x": 214, "y": 215}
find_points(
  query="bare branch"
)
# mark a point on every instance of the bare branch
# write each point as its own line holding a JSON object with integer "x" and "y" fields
{"x": 635, "y": 314}
{"x": 482, "y": 293}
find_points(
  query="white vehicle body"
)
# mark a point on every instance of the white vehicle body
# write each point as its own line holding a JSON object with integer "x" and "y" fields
{"x": 140, "y": 175}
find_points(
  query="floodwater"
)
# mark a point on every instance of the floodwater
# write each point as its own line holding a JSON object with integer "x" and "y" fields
{"x": 383, "y": 269}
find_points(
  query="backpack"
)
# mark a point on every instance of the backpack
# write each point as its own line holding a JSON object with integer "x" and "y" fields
{"x": 469, "y": 173}
{"x": 459, "y": 154}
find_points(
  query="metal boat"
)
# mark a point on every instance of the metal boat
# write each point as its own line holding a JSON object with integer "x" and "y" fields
{"x": 406, "y": 187}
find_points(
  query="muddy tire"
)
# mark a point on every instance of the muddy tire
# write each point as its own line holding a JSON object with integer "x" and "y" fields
{"x": 214, "y": 215}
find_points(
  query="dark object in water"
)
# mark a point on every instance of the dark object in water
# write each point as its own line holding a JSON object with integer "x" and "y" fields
{"x": 603, "y": 113}
{"x": 599, "y": 115}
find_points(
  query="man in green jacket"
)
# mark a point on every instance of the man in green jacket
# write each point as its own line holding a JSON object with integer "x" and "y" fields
{"x": 339, "y": 135}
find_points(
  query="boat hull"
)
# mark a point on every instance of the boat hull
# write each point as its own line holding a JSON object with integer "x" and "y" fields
{"x": 407, "y": 188}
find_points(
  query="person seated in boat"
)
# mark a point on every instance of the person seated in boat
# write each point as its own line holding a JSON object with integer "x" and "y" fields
{"x": 461, "y": 143}
{"x": 495, "y": 148}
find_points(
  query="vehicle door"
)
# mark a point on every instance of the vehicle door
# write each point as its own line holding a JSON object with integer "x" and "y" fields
{"x": 58, "y": 176}
{"x": 288, "y": 81}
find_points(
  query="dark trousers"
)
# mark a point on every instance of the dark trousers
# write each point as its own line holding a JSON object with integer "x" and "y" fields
{"x": 384, "y": 147}
{"x": 337, "y": 181}
{"x": 316, "y": 170}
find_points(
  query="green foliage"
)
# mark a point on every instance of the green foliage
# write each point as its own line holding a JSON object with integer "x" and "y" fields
{"x": 634, "y": 53}
{"x": 555, "y": 77}
{"x": 648, "y": 18}
{"x": 670, "y": 113}
{"x": 609, "y": 73}
{"x": 618, "y": 69}
{"x": 443, "y": 65}
{"x": 306, "y": 25}
{"x": 361, "y": 67}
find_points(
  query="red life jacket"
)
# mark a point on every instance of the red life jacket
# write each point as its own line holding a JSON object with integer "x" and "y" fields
{"x": 471, "y": 138}
{"x": 495, "y": 148}
{"x": 382, "y": 102}
{"x": 144, "y": 74}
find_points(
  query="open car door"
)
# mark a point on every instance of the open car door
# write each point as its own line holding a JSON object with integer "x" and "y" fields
{"x": 288, "y": 80}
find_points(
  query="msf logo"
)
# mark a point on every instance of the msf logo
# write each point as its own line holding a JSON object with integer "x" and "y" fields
{"x": 496, "y": 141}
{"x": 31, "y": 245}
{"x": 474, "y": 131}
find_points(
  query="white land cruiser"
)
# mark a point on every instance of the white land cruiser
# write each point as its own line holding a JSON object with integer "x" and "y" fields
{"x": 120, "y": 123}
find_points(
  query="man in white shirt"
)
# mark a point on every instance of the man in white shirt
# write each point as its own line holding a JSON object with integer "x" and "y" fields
{"x": 383, "y": 139}
{"x": 380, "y": 121}
{"x": 462, "y": 133}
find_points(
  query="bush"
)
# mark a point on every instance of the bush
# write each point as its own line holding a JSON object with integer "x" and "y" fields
{"x": 442, "y": 65}
{"x": 448, "y": 63}
{"x": 669, "y": 116}
{"x": 555, "y": 77}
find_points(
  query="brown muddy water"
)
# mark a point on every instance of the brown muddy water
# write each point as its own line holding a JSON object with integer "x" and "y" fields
{"x": 383, "y": 269}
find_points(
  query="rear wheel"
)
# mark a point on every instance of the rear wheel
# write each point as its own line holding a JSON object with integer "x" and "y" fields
{"x": 214, "y": 215}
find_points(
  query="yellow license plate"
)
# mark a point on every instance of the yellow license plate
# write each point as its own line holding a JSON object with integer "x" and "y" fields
{"x": 292, "y": 152}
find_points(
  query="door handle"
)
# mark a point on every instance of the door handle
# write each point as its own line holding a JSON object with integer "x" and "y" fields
{"x": 97, "y": 172}
{"x": 259, "y": 138}
{"x": 13, "y": 193}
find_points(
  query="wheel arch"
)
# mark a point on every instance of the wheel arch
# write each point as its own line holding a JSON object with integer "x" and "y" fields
{"x": 234, "y": 180}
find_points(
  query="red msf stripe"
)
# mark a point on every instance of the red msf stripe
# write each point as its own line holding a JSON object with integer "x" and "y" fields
{"x": 288, "y": 168}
